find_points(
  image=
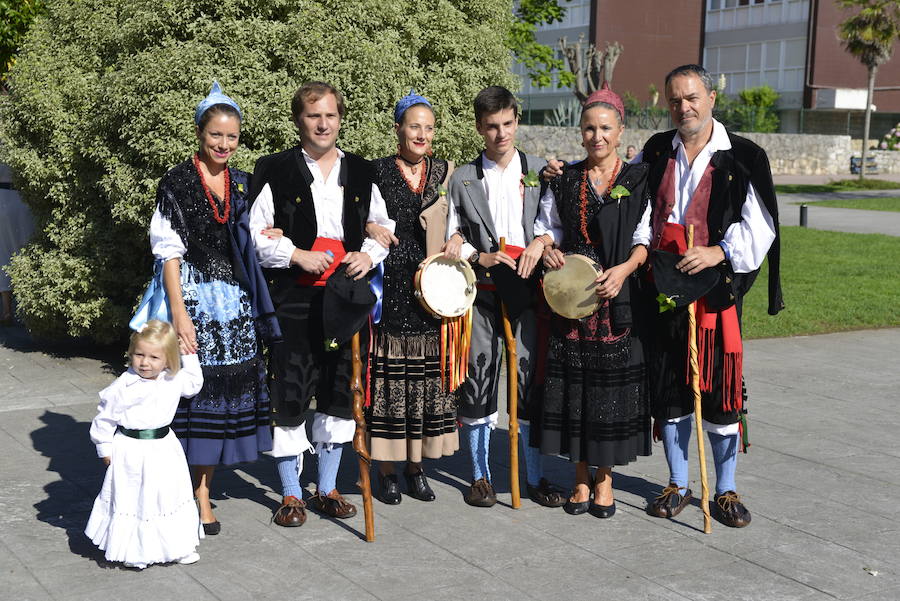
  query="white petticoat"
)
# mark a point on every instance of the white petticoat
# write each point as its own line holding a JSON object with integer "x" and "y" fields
{"x": 145, "y": 512}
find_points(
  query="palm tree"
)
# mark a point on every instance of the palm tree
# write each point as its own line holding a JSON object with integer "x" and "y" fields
{"x": 870, "y": 35}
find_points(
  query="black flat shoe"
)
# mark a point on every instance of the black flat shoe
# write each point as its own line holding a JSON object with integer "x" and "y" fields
{"x": 390, "y": 490}
{"x": 417, "y": 486}
{"x": 573, "y": 508}
{"x": 602, "y": 511}
{"x": 212, "y": 528}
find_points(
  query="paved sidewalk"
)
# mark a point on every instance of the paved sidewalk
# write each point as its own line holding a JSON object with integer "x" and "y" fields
{"x": 822, "y": 480}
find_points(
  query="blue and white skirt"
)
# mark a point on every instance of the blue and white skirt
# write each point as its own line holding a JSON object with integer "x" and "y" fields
{"x": 228, "y": 421}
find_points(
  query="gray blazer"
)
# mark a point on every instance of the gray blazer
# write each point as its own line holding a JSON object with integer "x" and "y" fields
{"x": 466, "y": 191}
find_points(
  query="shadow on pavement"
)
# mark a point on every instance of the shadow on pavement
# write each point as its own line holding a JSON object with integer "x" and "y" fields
{"x": 67, "y": 444}
{"x": 17, "y": 338}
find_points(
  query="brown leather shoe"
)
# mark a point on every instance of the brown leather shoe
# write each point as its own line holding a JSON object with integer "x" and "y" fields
{"x": 546, "y": 494}
{"x": 730, "y": 511}
{"x": 670, "y": 502}
{"x": 481, "y": 494}
{"x": 333, "y": 505}
{"x": 291, "y": 514}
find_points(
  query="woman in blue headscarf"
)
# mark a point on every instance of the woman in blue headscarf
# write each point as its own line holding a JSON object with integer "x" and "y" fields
{"x": 218, "y": 299}
{"x": 411, "y": 416}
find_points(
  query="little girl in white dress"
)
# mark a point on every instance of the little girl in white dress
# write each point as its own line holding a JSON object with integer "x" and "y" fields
{"x": 145, "y": 512}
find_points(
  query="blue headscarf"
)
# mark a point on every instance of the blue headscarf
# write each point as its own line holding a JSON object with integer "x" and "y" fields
{"x": 407, "y": 101}
{"x": 215, "y": 97}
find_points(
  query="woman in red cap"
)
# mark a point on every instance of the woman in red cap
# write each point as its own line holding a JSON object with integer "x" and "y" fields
{"x": 594, "y": 406}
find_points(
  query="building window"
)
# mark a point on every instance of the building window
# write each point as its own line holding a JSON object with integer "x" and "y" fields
{"x": 723, "y": 15}
{"x": 776, "y": 63}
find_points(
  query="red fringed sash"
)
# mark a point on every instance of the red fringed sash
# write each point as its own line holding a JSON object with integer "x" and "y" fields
{"x": 674, "y": 240}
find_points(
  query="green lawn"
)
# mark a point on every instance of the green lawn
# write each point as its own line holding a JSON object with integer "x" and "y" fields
{"x": 832, "y": 281}
{"x": 843, "y": 185}
{"x": 887, "y": 203}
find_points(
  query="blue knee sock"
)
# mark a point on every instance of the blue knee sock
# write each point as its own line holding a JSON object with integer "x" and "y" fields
{"x": 533, "y": 469}
{"x": 676, "y": 438}
{"x": 329, "y": 462}
{"x": 290, "y": 476}
{"x": 479, "y": 445}
{"x": 724, "y": 450}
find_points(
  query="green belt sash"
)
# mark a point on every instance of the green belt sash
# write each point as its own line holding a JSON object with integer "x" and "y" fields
{"x": 149, "y": 434}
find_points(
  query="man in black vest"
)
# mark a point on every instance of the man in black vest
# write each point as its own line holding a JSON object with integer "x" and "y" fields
{"x": 704, "y": 176}
{"x": 321, "y": 198}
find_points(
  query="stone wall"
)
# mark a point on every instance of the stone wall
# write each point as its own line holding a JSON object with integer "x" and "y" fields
{"x": 789, "y": 154}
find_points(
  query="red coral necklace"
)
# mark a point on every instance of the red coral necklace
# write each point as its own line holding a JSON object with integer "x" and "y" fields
{"x": 583, "y": 196}
{"x": 419, "y": 188}
{"x": 212, "y": 202}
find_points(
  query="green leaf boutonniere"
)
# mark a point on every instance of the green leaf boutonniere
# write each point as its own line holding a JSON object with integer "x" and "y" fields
{"x": 618, "y": 192}
{"x": 240, "y": 188}
{"x": 666, "y": 303}
{"x": 442, "y": 191}
{"x": 531, "y": 179}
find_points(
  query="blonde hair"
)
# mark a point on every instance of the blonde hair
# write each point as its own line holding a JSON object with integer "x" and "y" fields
{"x": 161, "y": 334}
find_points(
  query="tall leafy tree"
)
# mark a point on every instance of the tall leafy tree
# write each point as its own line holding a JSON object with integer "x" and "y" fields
{"x": 101, "y": 105}
{"x": 540, "y": 60}
{"x": 15, "y": 19}
{"x": 870, "y": 35}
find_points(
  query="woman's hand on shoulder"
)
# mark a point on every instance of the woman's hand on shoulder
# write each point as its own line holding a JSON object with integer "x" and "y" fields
{"x": 553, "y": 169}
{"x": 272, "y": 233}
{"x": 106, "y": 460}
{"x": 381, "y": 235}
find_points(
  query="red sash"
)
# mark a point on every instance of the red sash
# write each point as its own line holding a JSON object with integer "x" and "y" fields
{"x": 321, "y": 245}
{"x": 513, "y": 251}
{"x": 674, "y": 239}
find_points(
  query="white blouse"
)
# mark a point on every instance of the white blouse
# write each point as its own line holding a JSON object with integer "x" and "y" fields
{"x": 328, "y": 200}
{"x": 138, "y": 403}
{"x": 745, "y": 242}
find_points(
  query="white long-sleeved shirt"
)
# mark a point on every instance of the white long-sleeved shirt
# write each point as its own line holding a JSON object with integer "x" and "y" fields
{"x": 328, "y": 199}
{"x": 140, "y": 404}
{"x": 502, "y": 188}
{"x": 747, "y": 241}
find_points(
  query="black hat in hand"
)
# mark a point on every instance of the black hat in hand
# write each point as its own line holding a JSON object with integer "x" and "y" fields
{"x": 681, "y": 288}
{"x": 345, "y": 307}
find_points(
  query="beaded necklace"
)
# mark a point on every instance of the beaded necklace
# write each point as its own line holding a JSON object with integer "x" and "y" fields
{"x": 215, "y": 207}
{"x": 583, "y": 196}
{"x": 421, "y": 186}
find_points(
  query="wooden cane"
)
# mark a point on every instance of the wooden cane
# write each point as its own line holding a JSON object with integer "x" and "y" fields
{"x": 359, "y": 438}
{"x": 698, "y": 409}
{"x": 512, "y": 400}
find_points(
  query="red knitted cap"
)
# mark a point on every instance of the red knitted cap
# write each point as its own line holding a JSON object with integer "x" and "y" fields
{"x": 604, "y": 94}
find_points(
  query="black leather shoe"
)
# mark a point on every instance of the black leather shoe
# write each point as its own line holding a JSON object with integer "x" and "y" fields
{"x": 670, "y": 502}
{"x": 730, "y": 511}
{"x": 546, "y": 494}
{"x": 573, "y": 508}
{"x": 417, "y": 486}
{"x": 602, "y": 511}
{"x": 390, "y": 490}
{"x": 212, "y": 528}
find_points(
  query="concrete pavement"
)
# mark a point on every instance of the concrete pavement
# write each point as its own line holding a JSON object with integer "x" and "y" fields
{"x": 822, "y": 479}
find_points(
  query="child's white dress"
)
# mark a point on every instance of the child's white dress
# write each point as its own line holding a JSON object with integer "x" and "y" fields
{"x": 145, "y": 512}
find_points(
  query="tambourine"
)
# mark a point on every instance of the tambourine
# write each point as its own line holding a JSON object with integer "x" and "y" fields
{"x": 445, "y": 287}
{"x": 571, "y": 290}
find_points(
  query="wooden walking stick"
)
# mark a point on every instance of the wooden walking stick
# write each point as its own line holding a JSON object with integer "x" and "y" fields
{"x": 698, "y": 409}
{"x": 359, "y": 438}
{"x": 512, "y": 401}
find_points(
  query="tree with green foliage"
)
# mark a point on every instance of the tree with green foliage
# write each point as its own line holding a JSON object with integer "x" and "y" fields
{"x": 16, "y": 17}
{"x": 870, "y": 35}
{"x": 101, "y": 105}
{"x": 540, "y": 60}
{"x": 753, "y": 110}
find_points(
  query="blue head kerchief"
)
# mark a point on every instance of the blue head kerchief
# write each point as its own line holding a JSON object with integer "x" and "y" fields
{"x": 215, "y": 97}
{"x": 407, "y": 101}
